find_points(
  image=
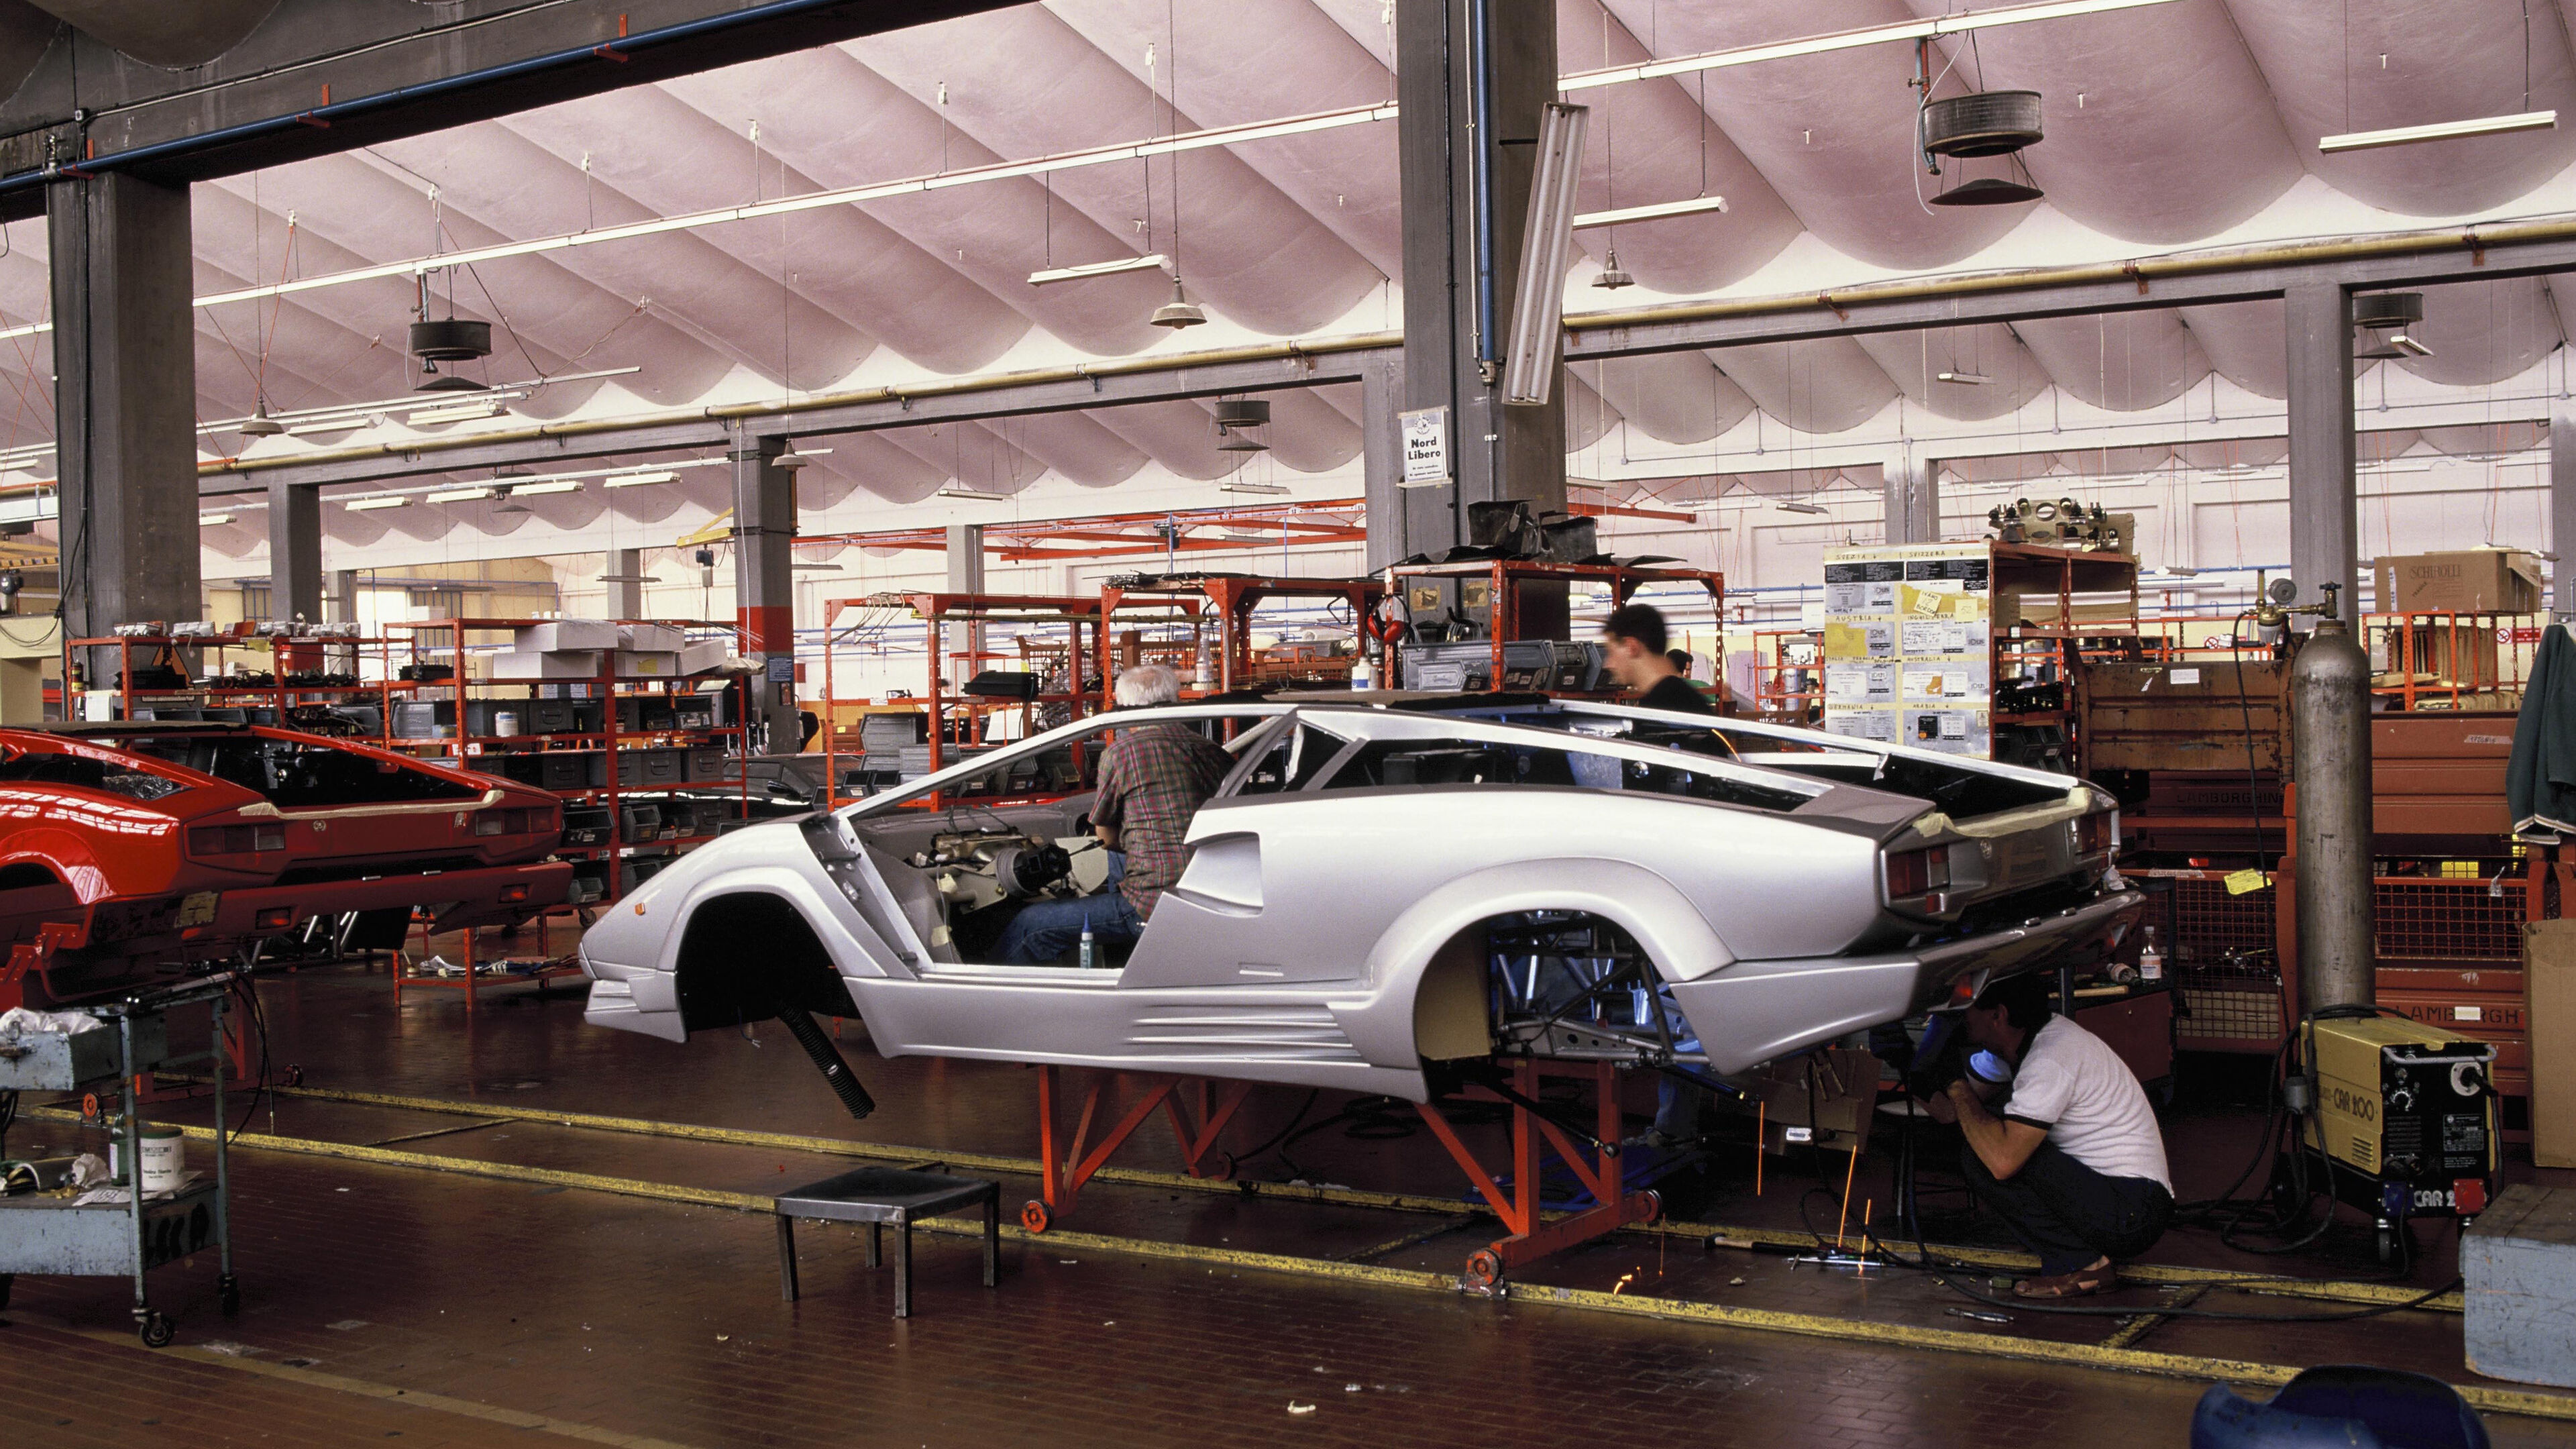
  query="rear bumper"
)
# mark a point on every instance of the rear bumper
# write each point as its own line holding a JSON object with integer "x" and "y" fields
{"x": 1754, "y": 1011}
{"x": 458, "y": 898}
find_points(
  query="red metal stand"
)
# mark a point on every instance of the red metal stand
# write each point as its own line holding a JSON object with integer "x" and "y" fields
{"x": 1529, "y": 1238}
{"x": 1067, "y": 1166}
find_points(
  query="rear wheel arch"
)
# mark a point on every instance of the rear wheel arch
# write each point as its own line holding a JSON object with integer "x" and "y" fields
{"x": 1436, "y": 951}
{"x": 745, "y": 954}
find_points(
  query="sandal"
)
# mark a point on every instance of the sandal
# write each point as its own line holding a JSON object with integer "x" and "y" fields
{"x": 2078, "y": 1284}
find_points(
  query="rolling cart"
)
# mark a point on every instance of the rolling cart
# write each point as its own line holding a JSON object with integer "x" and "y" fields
{"x": 47, "y": 1233}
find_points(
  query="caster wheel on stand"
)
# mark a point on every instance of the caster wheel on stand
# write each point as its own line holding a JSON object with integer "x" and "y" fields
{"x": 156, "y": 1330}
{"x": 2397, "y": 1246}
{"x": 228, "y": 1295}
{"x": 1035, "y": 1217}
{"x": 1484, "y": 1271}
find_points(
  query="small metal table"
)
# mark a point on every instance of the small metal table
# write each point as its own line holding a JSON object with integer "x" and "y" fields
{"x": 881, "y": 1195}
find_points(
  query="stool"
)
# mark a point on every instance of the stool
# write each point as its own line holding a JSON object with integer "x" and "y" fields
{"x": 881, "y": 1195}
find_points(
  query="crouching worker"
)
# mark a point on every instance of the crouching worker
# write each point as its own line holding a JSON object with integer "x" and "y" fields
{"x": 2073, "y": 1161}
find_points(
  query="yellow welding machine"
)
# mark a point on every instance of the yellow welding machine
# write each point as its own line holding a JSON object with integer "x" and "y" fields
{"x": 2404, "y": 1115}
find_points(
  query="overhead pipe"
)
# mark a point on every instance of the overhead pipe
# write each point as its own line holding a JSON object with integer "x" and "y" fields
{"x": 750, "y": 412}
{"x": 2477, "y": 240}
{"x": 611, "y": 51}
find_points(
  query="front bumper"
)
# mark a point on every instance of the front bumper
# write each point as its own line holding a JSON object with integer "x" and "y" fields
{"x": 1755, "y": 1011}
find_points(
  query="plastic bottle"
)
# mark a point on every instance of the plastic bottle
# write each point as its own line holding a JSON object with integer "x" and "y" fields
{"x": 2151, "y": 957}
{"x": 1090, "y": 956}
{"x": 1362, "y": 677}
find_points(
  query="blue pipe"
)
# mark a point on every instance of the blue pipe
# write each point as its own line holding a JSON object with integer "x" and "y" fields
{"x": 1480, "y": 88}
{"x": 402, "y": 95}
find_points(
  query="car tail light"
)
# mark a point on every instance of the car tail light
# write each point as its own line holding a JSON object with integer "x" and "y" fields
{"x": 513, "y": 894}
{"x": 513, "y": 822}
{"x": 235, "y": 839}
{"x": 275, "y": 918}
{"x": 2097, "y": 832}
{"x": 1913, "y": 873}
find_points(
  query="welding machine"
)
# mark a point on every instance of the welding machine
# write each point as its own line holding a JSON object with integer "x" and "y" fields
{"x": 2400, "y": 1117}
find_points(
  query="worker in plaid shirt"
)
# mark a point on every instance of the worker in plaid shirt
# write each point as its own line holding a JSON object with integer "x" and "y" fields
{"x": 1152, "y": 780}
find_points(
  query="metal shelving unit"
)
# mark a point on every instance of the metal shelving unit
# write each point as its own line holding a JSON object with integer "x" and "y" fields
{"x": 448, "y": 641}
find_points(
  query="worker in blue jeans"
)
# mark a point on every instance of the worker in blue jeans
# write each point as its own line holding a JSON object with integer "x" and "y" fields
{"x": 2074, "y": 1163}
{"x": 1153, "y": 779}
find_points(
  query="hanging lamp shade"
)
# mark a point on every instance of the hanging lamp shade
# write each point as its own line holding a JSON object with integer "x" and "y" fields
{"x": 1613, "y": 276}
{"x": 259, "y": 424}
{"x": 1179, "y": 312}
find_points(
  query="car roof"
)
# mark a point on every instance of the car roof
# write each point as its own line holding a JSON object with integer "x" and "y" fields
{"x": 88, "y": 729}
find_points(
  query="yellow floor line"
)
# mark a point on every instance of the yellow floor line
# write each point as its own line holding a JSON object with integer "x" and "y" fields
{"x": 2004, "y": 1260}
{"x": 2179, "y": 1366}
{"x": 364, "y": 1388}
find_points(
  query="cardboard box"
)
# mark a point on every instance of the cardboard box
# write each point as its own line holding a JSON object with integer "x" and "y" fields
{"x": 546, "y": 664}
{"x": 558, "y": 634}
{"x": 650, "y": 638}
{"x": 704, "y": 655}
{"x": 2476, "y": 581}
{"x": 646, "y": 663}
{"x": 2549, "y": 1015}
{"x": 1846, "y": 1093}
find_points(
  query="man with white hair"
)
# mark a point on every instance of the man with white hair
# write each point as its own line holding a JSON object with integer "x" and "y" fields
{"x": 1152, "y": 780}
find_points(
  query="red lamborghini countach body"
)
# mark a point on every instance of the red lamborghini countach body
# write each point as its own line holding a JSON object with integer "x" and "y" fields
{"x": 129, "y": 843}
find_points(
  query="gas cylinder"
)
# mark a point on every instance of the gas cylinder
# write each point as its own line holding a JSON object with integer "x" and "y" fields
{"x": 2330, "y": 752}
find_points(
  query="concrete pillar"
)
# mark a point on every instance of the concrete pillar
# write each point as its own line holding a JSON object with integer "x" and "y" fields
{"x": 764, "y": 585}
{"x": 2323, "y": 516}
{"x": 625, "y": 584}
{"x": 2562, "y": 510}
{"x": 341, "y": 604}
{"x": 294, "y": 552}
{"x": 1397, "y": 516}
{"x": 125, "y": 401}
{"x": 1460, "y": 257}
{"x": 1913, "y": 492}
{"x": 961, "y": 643}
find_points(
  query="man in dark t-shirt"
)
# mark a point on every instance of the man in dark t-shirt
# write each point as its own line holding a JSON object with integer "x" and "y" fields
{"x": 1635, "y": 640}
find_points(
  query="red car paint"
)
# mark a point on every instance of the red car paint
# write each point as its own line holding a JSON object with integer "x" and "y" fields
{"x": 130, "y": 843}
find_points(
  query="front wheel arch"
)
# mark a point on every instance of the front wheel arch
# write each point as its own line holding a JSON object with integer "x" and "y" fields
{"x": 746, "y": 954}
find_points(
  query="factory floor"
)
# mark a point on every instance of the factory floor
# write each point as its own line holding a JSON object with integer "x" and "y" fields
{"x": 389, "y": 1302}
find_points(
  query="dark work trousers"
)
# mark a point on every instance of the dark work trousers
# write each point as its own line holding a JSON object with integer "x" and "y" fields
{"x": 2069, "y": 1214}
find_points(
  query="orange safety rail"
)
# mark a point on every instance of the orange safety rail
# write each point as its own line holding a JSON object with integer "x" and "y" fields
{"x": 1785, "y": 691}
{"x": 2450, "y": 661}
{"x": 1227, "y": 602}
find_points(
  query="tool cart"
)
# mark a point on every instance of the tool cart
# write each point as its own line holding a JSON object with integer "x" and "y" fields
{"x": 131, "y": 1232}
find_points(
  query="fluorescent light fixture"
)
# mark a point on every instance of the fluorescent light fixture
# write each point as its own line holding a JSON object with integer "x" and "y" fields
{"x": 460, "y": 495}
{"x": 1530, "y": 350}
{"x": 1656, "y": 211}
{"x": 815, "y": 568}
{"x": 638, "y": 480}
{"x": 1848, "y": 40}
{"x": 426, "y": 416}
{"x": 1234, "y": 486}
{"x": 1793, "y": 505}
{"x": 1970, "y": 379}
{"x": 1251, "y": 535}
{"x": 381, "y": 501}
{"x": 2438, "y": 131}
{"x": 977, "y": 495}
{"x": 628, "y": 579}
{"x": 209, "y": 520}
{"x": 546, "y": 485}
{"x": 1097, "y": 269}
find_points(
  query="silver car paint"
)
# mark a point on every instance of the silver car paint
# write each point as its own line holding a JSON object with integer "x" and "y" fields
{"x": 1293, "y": 945}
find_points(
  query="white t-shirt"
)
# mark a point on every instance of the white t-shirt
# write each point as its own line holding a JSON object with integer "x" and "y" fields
{"x": 2073, "y": 1084}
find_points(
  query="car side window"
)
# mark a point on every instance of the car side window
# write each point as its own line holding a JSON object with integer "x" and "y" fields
{"x": 1291, "y": 762}
{"x": 84, "y": 773}
{"x": 1415, "y": 763}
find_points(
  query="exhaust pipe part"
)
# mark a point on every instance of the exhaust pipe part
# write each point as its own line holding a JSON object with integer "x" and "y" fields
{"x": 828, "y": 1060}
